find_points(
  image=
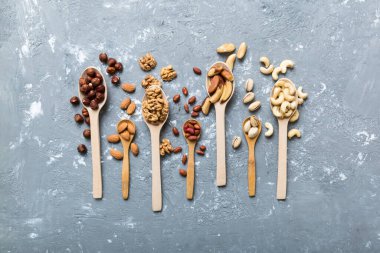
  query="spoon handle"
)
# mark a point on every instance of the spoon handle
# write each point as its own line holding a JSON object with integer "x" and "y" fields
{"x": 156, "y": 172}
{"x": 282, "y": 159}
{"x": 221, "y": 178}
{"x": 125, "y": 174}
{"x": 251, "y": 170}
{"x": 95, "y": 149}
{"x": 190, "y": 173}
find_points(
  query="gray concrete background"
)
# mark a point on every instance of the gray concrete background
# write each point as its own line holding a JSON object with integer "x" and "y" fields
{"x": 333, "y": 191}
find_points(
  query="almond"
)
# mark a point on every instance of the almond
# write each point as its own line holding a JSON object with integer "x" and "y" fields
{"x": 134, "y": 149}
{"x": 113, "y": 138}
{"x": 131, "y": 108}
{"x": 116, "y": 154}
{"x": 184, "y": 159}
{"x": 131, "y": 128}
{"x": 125, "y": 103}
{"x": 177, "y": 150}
{"x": 122, "y": 126}
{"x": 125, "y": 135}
{"x": 129, "y": 87}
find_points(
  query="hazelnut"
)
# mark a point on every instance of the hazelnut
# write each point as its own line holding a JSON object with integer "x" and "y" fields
{"x": 86, "y": 101}
{"x": 111, "y": 62}
{"x": 119, "y": 66}
{"x": 82, "y": 149}
{"x": 94, "y": 104}
{"x": 74, "y": 100}
{"x": 91, "y": 72}
{"x": 98, "y": 75}
{"x": 99, "y": 97}
{"x": 87, "y": 133}
{"x": 111, "y": 70}
{"x": 91, "y": 94}
{"x": 82, "y": 81}
{"x": 101, "y": 88}
{"x": 95, "y": 81}
{"x": 84, "y": 89}
{"x": 88, "y": 79}
{"x": 115, "y": 80}
{"x": 85, "y": 112}
{"x": 103, "y": 57}
{"x": 78, "y": 118}
{"x": 87, "y": 120}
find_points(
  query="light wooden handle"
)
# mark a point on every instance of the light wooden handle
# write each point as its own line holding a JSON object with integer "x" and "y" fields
{"x": 97, "y": 191}
{"x": 282, "y": 159}
{"x": 190, "y": 173}
{"x": 251, "y": 170}
{"x": 221, "y": 178}
{"x": 125, "y": 175}
{"x": 156, "y": 172}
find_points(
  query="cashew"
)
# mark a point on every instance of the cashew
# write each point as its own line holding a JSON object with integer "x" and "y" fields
{"x": 291, "y": 88}
{"x": 295, "y": 116}
{"x": 293, "y": 105}
{"x": 288, "y": 113}
{"x": 280, "y": 83}
{"x": 275, "y": 73}
{"x": 269, "y": 132}
{"x": 294, "y": 132}
{"x": 300, "y": 101}
{"x": 301, "y": 94}
{"x": 286, "y": 64}
{"x": 279, "y": 100}
{"x": 276, "y": 111}
{"x": 287, "y": 95}
{"x": 265, "y": 60}
{"x": 285, "y": 107}
{"x": 267, "y": 71}
{"x": 276, "y": 92}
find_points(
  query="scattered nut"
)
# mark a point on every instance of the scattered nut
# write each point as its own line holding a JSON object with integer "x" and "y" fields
{"x": 197, "y": 108}
{"x": 78, "y": 118}
{"x": 254, "y": 106}
{"x": 129, "y": 87}
{"x": 249, "y": 97}
{"x": 82, "y": 149}
{"x": 177, "y": 150}
{"x": 249, "y": 85}
{"x": 184, "y": 91}
{"x": 236, "y": 141}
{"x": 150, "y": 80}
{"x": 125, "y": 103}
{"x": 118, "y": 155}
{"x": 111, "y": 62}
{"x": 206, "y": 106}
{"x": 197, "y": 71}
{"x": 265, "y": 61}
{"x": 275, "y": 73}
{"x": 115, "y": 80}
{"x": 176, "y": 98}
{"x": 226, "y": 48}
{"x": 87, "y": 120}
{"x": 131, "y": 108}
{"x": 113, "y": 138}
{"x": 194, "y": 114}
{"x": 85, "y": 112}
{"x": 267, "y": 71}
{"x": 242, "y": 50}
{"x": 111, "y": 70}
{"x": 165, "y": 147}
{"x": 295, "y": 116}
{"x": 74, "y": 100}
{"x": 147, "y": 62}
{"x": 87, "y": 133}
{"x": 286, "y": 64}
{"x": 184, "y": 159}
{"x": 119, "y": 66}
{"x": 192, "y": 100}
{"x": 301, "y": 94}
{"x": 199, "y": 152}
{"x": 269, "y": 132}
{"x": 103, "y": 57}
{"x": 294, "y": 132}
{"x": 202, "y": 147}
{"x": 230, "y": 62}
{"x": 186, "y": 107}
{"x": 134, "y": 149}
{"x": 182, "y": 172}
{"x": 168, "y": 73}
{"x": 175, "y": 131}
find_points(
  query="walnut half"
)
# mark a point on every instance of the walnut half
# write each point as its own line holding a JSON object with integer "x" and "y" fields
{"x": 147, "y": 62}
{"x": 168, "y": 73}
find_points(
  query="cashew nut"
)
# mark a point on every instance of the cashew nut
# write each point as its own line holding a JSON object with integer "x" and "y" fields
{"x": 276, "y": 92}
{"x": 285, "y": 107}
{"x": 275, "y": 73}
{"x": 279, "y": 100}
{"x": 293, "y": 105}
{"x": 269, "y": 132}
{"x": 294, "y": 132}
{"x": 291, "y": 88}
{"x": 300, "y": 101}
{"x": 287, "y": 95}
{"x": 286, "y": 64}
{"x": 295, "y": 116}
{"x": 267, "y": 71}
{"x": 276, "y": 112}
{"x": 265, "y": 60}
{"x": 301, "y": 94}
{"x": 288, "y": 113}
{"x": 280, "y": 83}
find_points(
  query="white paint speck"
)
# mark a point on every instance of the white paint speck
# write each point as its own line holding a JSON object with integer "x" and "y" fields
{"x": 342, "y": 176}
{"x": 51, "y": 41}
{"x": 109, "y": 240}
{"x": 33, "y": 235}
{"x": 35, "y": 109}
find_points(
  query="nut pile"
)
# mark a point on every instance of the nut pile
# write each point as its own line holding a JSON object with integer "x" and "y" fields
{"x": 128, "y": 105}
{"x": 192, "y": 130}
{"x": 92, "y": 88}
{"x": 147, "y": 62}
{"x": 268, "y": 68}
{"x": 251, "y": 127}
{"x": 113, "y": 67}
{"x": 126, "y": 130}
{"x": 168, "y": 73}
{"x": 219, "y": 83}
{"x": 155, "y": 107}
{"x": 150, "y": 80}
{"x": 284, "y": 99}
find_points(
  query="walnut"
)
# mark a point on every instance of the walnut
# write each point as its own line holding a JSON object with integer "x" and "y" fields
{"x": 155, "y": 107}
{"x": 166, "y": 147}
{"x": 150, "y": 80}
{"x": 168, "y": 73}
{"x": 147, "y": 62}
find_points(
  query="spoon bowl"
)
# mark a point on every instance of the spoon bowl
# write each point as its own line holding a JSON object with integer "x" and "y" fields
{"x": 126, "y": 145}
{"x": 155, "y": 130}
{"x": 97, "y": 191}
{"x": 191, "y": 159}
{"x": 251, "y": 156}
{"x": 220, "y": 108}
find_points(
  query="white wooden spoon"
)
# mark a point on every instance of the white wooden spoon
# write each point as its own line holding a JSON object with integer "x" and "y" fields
{"x": 155, "y": 131}
{"x": 97, "y": 191}
{"x": 220, "y": 108}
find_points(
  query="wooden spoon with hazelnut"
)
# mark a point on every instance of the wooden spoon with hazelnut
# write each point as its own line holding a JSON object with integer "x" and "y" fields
{"x": 251, "y": 136}
{"x": 155, "y": 126}
{"x": 220, "y": 107}
{"x": 191, "y": 130}
{"x": 93, "y": 94}
{"x": 127, "y": 130}
{"x": 283, "y": 141}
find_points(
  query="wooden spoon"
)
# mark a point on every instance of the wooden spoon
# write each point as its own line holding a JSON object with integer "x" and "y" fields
{"x": 97, "y": 191}
{"x": 251, "y": 158}
{"x": 125, "y": 168}
{"x": 220, "y": 108}
{"x": 155, "y": 131}
{"x": 282, "y": 147}
{"x": 190, "y": 164}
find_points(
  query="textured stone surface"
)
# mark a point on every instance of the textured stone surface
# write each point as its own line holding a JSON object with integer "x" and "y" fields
{"x": 45, "y": 185}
